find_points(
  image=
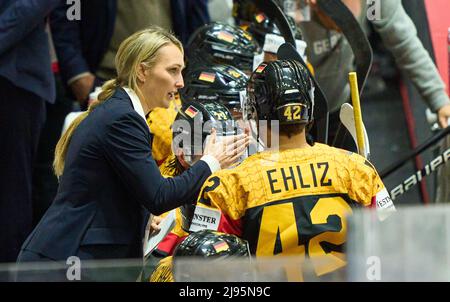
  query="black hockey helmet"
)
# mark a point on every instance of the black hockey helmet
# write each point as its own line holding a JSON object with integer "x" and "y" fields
{"x": 195, "y": 121}
{"x": 207, "y": 243}
{"x": 250, "y": 18}
{"x": 280, "y": 90}
{"x": 218, "y": 43}
{"x": 221, "y": 83}
{"x": 192, "y": 126}
{"x": 256, "y": 22}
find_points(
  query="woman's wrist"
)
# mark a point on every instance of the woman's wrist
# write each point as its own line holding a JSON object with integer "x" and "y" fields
{"x": 212, "y": 162}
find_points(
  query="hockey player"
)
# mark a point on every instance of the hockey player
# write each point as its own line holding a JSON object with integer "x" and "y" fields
{"x": 160, "y": 121}
{"x": 205, "y": 243}
{"x": 211, "y": 44}
{"x": 190, "y": 131}
{"x": 222, "y": 83}
{"x": 217, "y": 43}
{"x": 291, "y": 201}
{"x": 251, "y": 19}
{"x": 265, "y": 31}
{"x": 256, "y": 22}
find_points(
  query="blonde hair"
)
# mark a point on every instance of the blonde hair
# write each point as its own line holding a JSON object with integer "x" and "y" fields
{"x": 141, "y": 47}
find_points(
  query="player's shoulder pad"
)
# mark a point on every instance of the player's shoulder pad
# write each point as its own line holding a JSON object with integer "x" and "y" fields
{"x": 359, "y": 159}
{"x": 354, "y": 157}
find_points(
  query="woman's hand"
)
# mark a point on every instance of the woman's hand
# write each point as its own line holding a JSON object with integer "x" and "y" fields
{"x": 228, "y": 150}
{"x": 82, "y": 87}
{"x": 154, "y": 226}
{"x": 444, "y": 116}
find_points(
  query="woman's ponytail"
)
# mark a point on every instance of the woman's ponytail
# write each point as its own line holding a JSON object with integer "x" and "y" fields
{"x": 108, "y": 90}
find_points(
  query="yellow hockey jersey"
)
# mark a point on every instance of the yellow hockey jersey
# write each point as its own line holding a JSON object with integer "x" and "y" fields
{"x": 167, "y": 245}
{"x": 163, "y": 271}
{"x": 160, "y": 121}
{"x": 292, "y": 202}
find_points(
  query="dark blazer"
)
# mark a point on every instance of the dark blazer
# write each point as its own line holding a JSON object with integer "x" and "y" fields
{"x": 109, "y": 182}
{"x": 80, "y": 45}
{"x": 24, "y": 50}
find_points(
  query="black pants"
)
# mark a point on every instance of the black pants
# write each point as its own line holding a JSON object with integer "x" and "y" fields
{"x": 45, "y": 183}
{"x": 22, "y": 115}
{"x": 34, "y": 267}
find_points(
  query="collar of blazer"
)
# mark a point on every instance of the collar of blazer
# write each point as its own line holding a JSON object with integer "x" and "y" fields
{"x": 135, "y": 101}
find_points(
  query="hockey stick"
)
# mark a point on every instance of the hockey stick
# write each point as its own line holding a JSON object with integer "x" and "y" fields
{"x": 415, "y": 178}
{"x": 358, "y": 122}
{"x": 424, "y": 146}
{"x": 352, "y": 31}
{"x": 354, "y": 34}
{"x": 348, "y": 120}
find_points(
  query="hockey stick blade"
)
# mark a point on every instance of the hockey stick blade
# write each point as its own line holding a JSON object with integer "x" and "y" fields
{"x": 354, "y": 34}
{"x": 288, "y": 52}
{"x": 348, "y": 120}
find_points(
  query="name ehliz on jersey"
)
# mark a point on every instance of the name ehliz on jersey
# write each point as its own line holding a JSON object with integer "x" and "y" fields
{"x": 293, "y": 202}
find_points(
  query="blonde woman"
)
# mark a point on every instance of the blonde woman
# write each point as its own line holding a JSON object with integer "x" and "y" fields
{"x": 109, "y": 181}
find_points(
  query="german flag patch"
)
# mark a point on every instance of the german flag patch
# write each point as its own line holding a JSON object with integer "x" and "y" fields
{"x": 191, "y": 111}
{"x": 260, "y": 17}
{"x": 261, "y": 68}
{"x": 221, "y": 246}
{"x": 225, "y": 36}
{"x": 207, "y": 77}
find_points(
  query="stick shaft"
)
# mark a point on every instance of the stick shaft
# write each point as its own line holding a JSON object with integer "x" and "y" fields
{"x": 424, "y": 146}
{"x": 357, "y": 112}
{"x": 419, "y": 175}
